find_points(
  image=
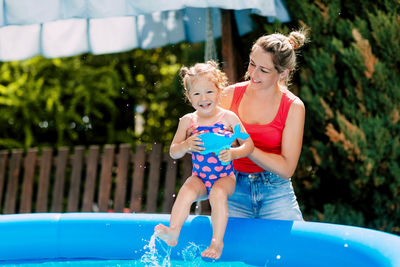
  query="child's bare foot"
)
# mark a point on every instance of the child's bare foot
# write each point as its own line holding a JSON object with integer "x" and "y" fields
{"x": 214, "y": 251}
{"x": 168, "y": 235}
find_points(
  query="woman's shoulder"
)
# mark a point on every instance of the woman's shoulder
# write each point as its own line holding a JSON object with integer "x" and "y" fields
{"x": 231, "y": 88}
{"x": 296, "y": 107}
{"x": 292, "y": 97}
{"x": 228, "y": 93}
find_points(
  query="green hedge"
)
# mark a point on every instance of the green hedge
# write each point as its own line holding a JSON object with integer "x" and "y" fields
{"x": 349, "y": 79}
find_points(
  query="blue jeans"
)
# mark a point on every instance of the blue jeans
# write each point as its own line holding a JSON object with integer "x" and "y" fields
{"x": 263, "y": 195}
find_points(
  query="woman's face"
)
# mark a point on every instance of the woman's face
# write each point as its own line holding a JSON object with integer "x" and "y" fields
{"x": 261, "y": 69}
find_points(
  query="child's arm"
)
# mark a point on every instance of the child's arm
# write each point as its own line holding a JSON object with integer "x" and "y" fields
{"x": 245, "y": 147}
{"x": 181, "y": 144}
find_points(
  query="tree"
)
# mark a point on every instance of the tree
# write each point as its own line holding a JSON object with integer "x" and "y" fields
{"x": 349, "y": 80}
{"x": 89, "y": 99}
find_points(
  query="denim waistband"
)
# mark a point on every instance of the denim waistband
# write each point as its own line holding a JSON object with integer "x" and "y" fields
{"x": 264, "y": 174}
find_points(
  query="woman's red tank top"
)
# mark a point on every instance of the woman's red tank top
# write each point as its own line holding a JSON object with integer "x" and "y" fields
{"x": 267, "y": 137}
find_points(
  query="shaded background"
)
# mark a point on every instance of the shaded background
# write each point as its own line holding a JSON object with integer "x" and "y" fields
{"x": 348, "y": 78}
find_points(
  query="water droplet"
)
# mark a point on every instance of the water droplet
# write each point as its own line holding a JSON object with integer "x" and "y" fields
{"x": 346, "y": 245}
{"x": 85, "y": 119}
{"x": 191, "y": 253}
{"x": 278, "y": 257}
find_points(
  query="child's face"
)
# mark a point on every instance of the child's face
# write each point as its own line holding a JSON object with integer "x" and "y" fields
{"x": 203, "y": 95}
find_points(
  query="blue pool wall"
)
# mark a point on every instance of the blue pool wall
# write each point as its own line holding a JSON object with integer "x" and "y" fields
{"x": 111, "y": 236}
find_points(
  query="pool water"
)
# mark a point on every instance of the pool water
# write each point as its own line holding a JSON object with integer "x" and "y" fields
{"x": 123, "y": 263}
{"x": 155, "y": 254}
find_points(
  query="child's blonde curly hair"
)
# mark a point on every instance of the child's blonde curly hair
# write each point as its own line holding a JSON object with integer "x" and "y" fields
{"x": 190, "y": 74}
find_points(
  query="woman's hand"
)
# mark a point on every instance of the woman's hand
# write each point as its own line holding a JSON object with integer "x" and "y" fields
{"x": 225, "y": 155}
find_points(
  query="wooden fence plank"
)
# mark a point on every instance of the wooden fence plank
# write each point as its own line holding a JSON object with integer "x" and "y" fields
{"x": 44, "y": 180}
{"x": 105, "y": 177}
{"x": 90, "y": 182}
{"x": 3, "y": 163}
{"x": 75, "y": 181}
{"x": 154, "y": 178}
{"x": 27, "y": 185}
{"x": 186, "y": 167}
{"x": 170, "y": 183}
{"x": 139, "y": 165}
{"x": 122, "y": 171}
{"x": 202, "y": 207}
{"x": 12, "y": 183}
{"x": 58, "y": 189}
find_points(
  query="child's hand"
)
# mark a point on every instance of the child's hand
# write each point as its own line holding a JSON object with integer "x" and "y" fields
{"x": 190, "y": 130}
{"x": 194, "y": 144}
{"x": 225, "y": 155}
{"x": 228, "y": 129}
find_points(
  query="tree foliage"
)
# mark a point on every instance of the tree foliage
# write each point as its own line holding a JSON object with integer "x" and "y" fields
{"x": 93, "y": 99}
{"x": 349, "y": 79}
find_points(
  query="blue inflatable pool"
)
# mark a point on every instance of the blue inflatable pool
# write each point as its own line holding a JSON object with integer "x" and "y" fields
{"x": 54, "y": 236}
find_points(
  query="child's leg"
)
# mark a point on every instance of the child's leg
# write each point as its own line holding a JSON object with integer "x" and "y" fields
{"x": 219, "y": 194}
{"x": 191, "y": 190}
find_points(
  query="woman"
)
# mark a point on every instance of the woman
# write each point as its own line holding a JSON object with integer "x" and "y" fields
{"x": 274, "y": 118}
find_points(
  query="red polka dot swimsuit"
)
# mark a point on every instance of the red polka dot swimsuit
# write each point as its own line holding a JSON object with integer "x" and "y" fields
{"x": 207, "y": 166}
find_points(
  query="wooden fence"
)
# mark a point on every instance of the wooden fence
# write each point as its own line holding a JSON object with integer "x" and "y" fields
{"x": 97, "y": 179}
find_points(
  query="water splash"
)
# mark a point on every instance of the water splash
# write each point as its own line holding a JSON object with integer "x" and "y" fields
{"x": 158, "y": 254}
{"x": 192, "y": 254}
{"x": 154, "y": 257}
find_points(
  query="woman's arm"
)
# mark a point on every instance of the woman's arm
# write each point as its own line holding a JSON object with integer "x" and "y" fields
{"x": 245, "y": 147}
{"x": 181, "y": 144}
{"x": 292, "y": 139}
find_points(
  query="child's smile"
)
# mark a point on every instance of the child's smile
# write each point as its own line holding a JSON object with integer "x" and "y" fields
{"x": 203, "y": 96}
{"x": 205, "y": 105}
